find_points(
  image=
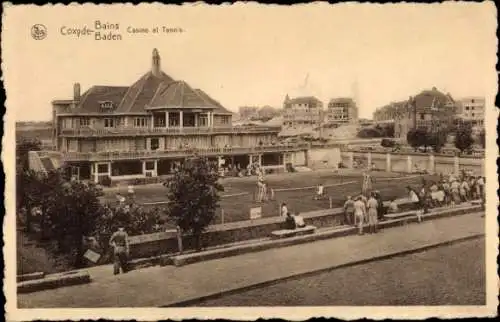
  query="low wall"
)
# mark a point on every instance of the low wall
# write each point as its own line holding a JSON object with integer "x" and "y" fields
{"x": 151, "y": 245}
{"x": 413, "y": 162}
{"x": 320, "y": 158}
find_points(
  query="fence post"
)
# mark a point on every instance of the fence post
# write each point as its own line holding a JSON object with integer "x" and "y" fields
{"x": 222, "y": 215}
{"x": 456, "y": 165}
{"x": 179, "y": 239}
{"x": 330, "y": 199}
{"x": 432, "y": 164}
{"x": 408, "y": 164}
{"x": 388, "y": 166}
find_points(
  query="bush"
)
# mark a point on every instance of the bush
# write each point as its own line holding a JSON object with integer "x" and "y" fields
{"x": 105, "y": 181}
{"x": 388, "y": 143}
{"x": 369, "y": 133}
{"x": 463, "y": 138}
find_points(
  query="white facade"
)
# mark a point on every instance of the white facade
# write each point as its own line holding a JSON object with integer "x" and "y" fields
{"x": 472, "y": 109}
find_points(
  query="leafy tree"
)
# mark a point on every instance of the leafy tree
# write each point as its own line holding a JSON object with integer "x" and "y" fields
{"x": 463, "y": 138}
{"x": 482, "y": 139}
{"x": 75, "y": 213}
{"x": 437, "y": 140}
{"x": 413, "y": 139}
{"x": 193, "y": 195}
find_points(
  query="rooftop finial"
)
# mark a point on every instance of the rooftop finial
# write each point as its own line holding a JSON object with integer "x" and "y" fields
{"x": 156, "y": 68}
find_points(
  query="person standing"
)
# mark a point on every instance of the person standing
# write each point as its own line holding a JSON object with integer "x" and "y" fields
{"x": 349, "y": 211}
{"x": 284, "y": 209}
{"x": 367, "y": 184}
{"x": 372, "y": 214}
{"x": 359, "y": 214}
{"x": 120, "y": 245}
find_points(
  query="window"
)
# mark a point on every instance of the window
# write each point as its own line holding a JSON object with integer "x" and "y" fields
{"x": 155, "y": 144}
{"x": 150, "y": 165}
{"x": 106, "y": 104}
{"x": 102, "y": 168}
{"x": 140, "y": 122}
{"x": 422, "y": 116}
{"x": 472, "y": 114}
{"x": 203, "y": 120}
{"x": 466, "y": 108}
{"x": 84, "y": 121}
{"x": 109, "y": 123}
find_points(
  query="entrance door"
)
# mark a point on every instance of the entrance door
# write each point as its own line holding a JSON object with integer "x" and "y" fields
{"x": 75, "y": 173}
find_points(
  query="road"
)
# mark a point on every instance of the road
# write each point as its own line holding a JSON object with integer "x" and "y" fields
{"x": 447, "y": 275}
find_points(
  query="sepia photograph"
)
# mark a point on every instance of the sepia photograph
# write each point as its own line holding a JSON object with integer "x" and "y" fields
{"x": 244, "y": 160}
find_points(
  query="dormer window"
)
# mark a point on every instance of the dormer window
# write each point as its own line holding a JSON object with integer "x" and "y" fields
{"x": 106, "y": 105}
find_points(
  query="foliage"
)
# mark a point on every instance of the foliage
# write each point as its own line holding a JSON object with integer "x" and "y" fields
{"x": 369, "y": 133}
{"x": 413, "y": 139}
{"x": 388, "y": 143}
{"x": 105, "y": 181}
{"x": 463, "y": 138}
{"x": 75, "y": 213}
{"x": 482, "y": 139}
{"x": 193, "y": 196}
{"x": 437, "y": 140}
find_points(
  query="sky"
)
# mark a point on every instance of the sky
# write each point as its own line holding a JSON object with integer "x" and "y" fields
{"x": 254, "y": 55}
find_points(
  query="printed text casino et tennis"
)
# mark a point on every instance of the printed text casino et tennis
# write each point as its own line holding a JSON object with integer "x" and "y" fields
{"x": 113, "y": 31}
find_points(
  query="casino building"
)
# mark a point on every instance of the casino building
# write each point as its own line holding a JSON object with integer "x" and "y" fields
{"x": 143, "y": 130}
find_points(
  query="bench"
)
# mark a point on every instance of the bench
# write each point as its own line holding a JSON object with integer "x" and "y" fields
{"x": 402, "y": 215}
{"x": 284, "y": 233}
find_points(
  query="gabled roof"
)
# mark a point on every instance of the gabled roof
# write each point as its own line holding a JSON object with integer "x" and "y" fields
{"x": 90, "y": 100}
{"x": 153, "y": 89}
{"x": 179, "y": 94}
{"x": 219, "y": 108}
{"x": 432, "y": 98}
{"x": 141, "y": 92}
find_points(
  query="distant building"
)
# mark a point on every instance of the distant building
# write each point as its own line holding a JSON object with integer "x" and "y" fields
{"x": 472, "y": 109}
{"x": 390, "y": 112}
{"x": 342, "y": 110}
{"x": 430, "y": 109}
{"x": 302, "y": 111}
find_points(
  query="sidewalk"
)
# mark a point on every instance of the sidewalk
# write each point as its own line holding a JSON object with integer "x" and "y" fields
{"x": 161, "y": 286}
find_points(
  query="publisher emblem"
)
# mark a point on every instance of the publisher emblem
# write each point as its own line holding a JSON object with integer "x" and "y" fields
{"x": 38, "y": 32}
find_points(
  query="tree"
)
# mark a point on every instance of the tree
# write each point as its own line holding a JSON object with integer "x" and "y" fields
{"x": 482, "y": 139}
{"x": 437, "y": 140}
{"x": 463, "y": 138}
{"x": 413, "y": 139}
{"x": 193, "y": 196}
{"x": 75, "y": 213}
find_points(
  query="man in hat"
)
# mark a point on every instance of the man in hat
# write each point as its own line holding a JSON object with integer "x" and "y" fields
{"x": 120, "y": 246}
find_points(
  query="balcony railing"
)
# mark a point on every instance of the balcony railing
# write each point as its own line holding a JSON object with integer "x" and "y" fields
{"x": 116, "y": 131}
{"x": 129, "y": 155}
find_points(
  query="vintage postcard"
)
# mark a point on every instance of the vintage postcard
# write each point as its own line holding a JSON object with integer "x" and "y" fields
{"x": 248, "y": 161}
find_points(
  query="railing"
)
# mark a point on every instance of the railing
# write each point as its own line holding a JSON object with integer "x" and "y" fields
{"x": 167, "y": 130}
{"x": 127, "y": 155}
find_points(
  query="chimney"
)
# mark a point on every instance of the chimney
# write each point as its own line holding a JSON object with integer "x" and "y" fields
{"x": 76, "y": 92}
{"x": 156, "y": 68}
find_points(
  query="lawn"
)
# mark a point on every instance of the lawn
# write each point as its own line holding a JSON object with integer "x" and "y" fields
{"x": 296, "y": 189}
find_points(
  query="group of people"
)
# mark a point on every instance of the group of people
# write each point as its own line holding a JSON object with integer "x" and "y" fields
{"x": 361, "y": 210}
{"x": 292, "y": 221}
{"x": 453, "y": 191}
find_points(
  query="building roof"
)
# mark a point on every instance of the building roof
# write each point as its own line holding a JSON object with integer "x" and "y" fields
{"x": 341, "y": 100}
{"x": 153, "y": 89}
{"x": 432, "y": 98}
{"x": 90, "y": 100}
{"x": 303, "y": 100}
